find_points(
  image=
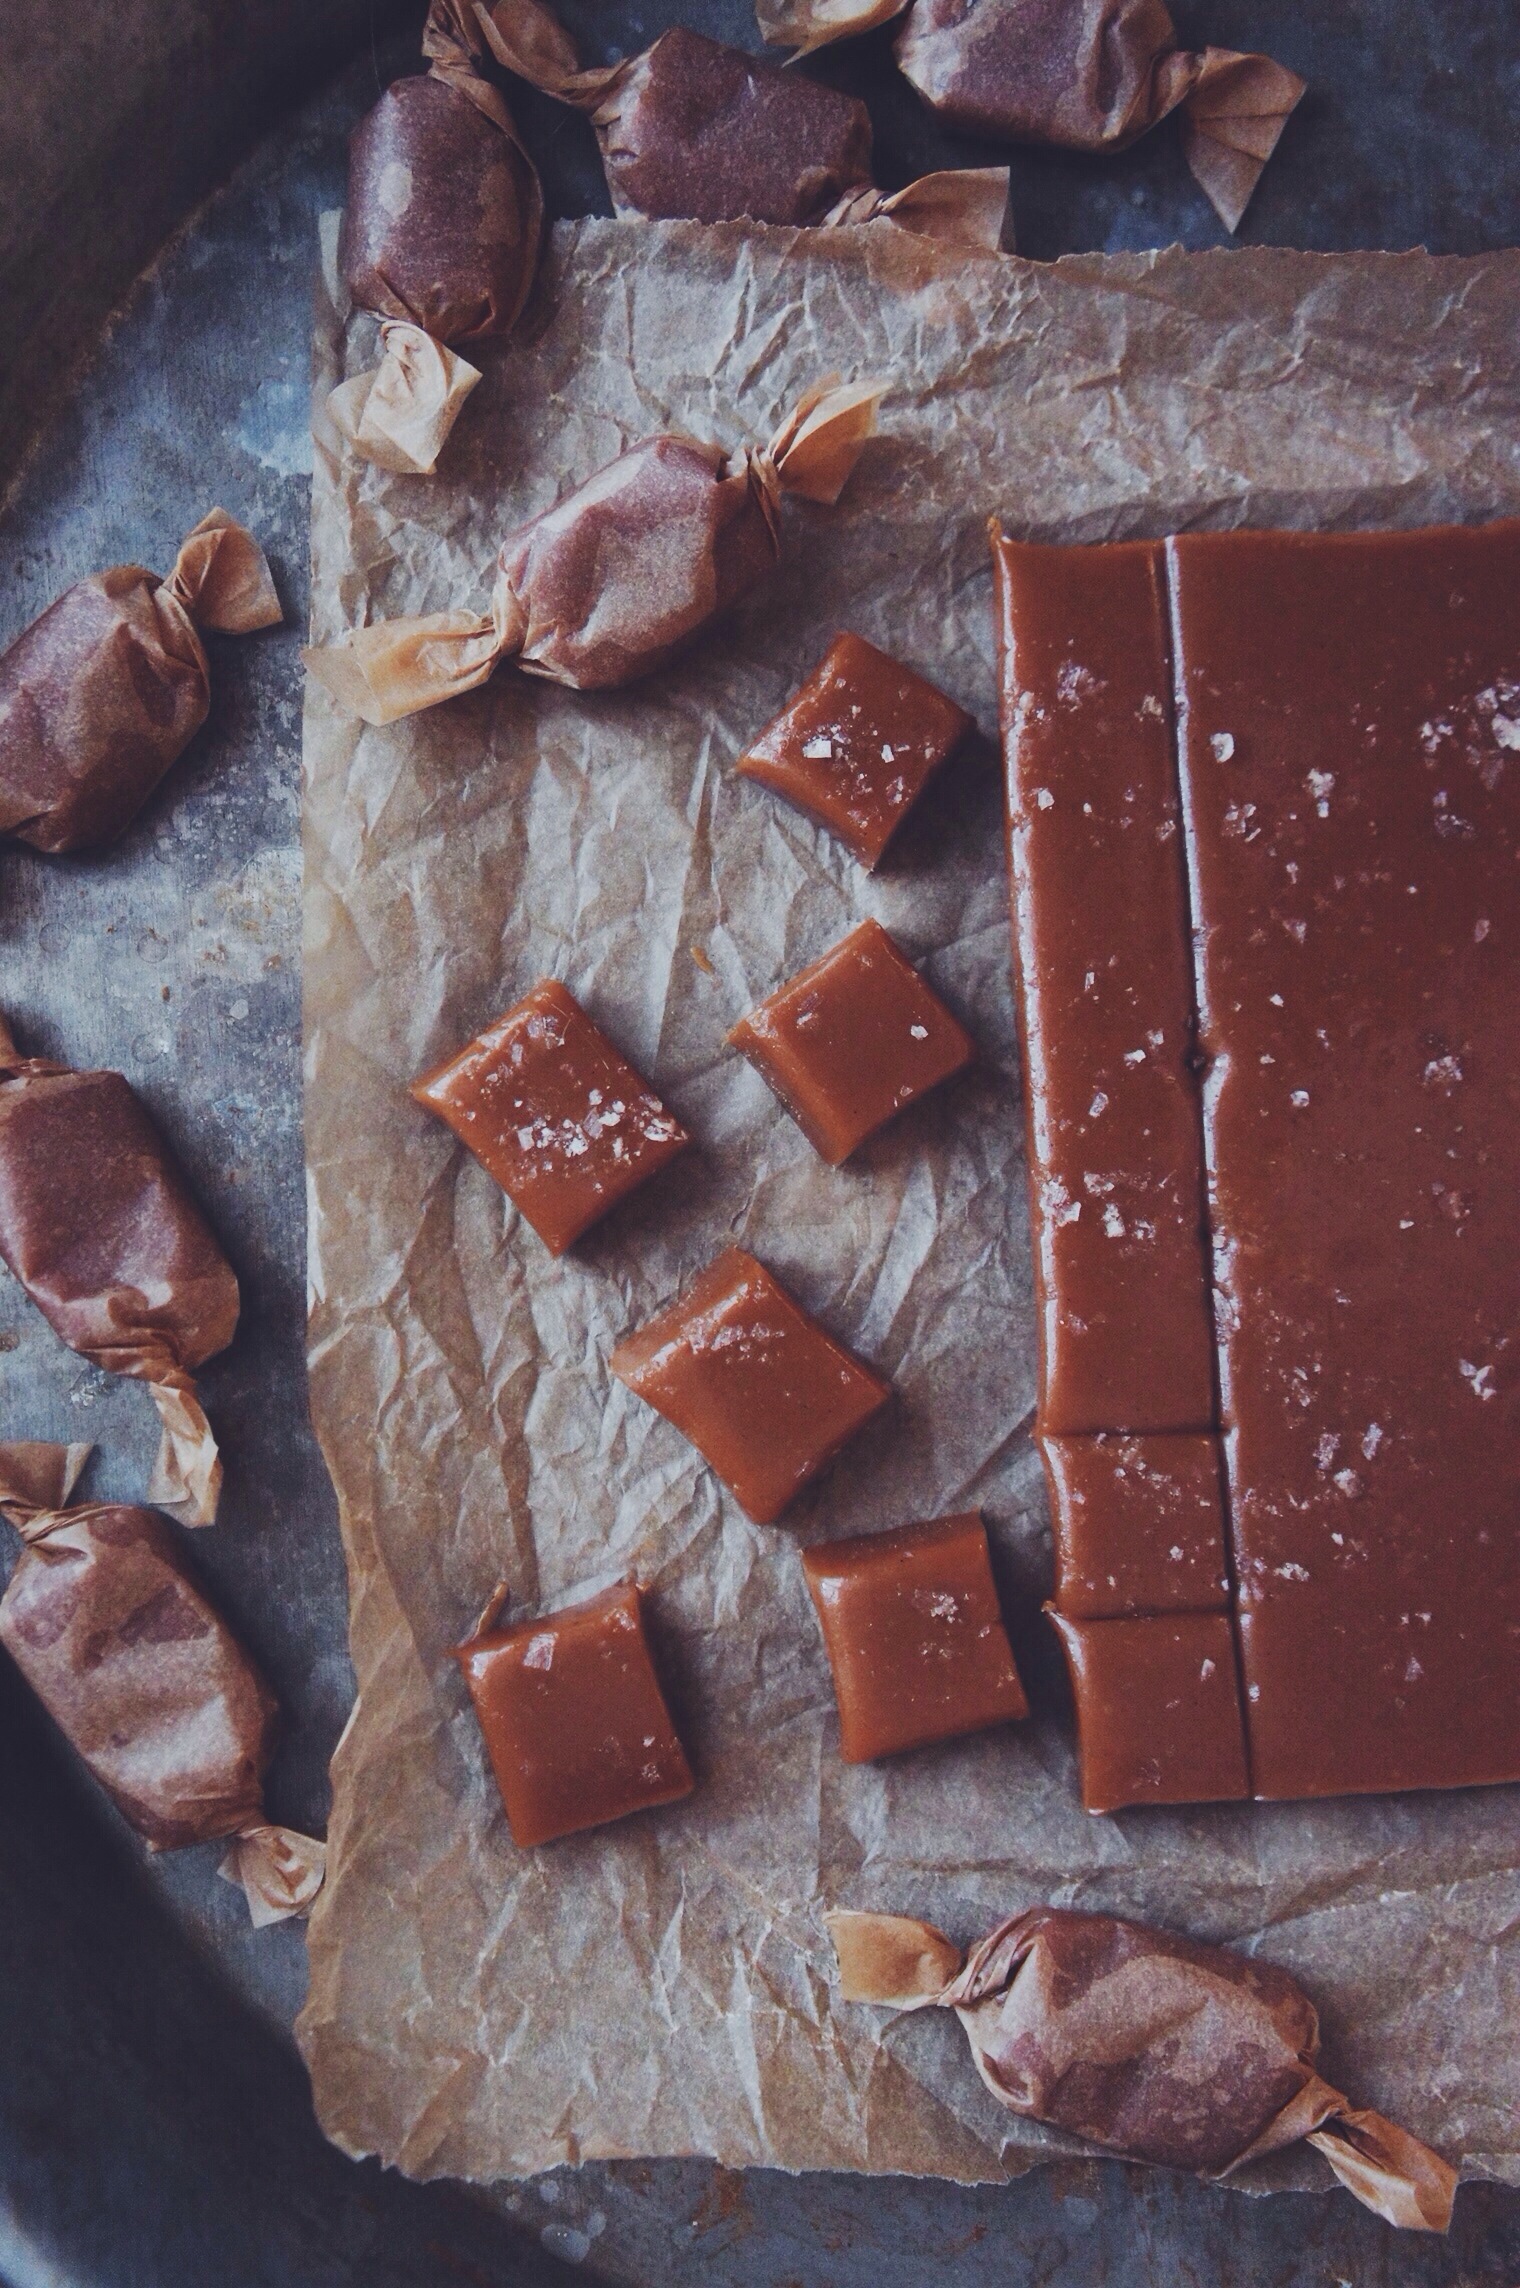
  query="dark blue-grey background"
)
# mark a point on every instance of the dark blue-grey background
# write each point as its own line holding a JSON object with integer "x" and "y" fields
{"x": 154, "y": 2126}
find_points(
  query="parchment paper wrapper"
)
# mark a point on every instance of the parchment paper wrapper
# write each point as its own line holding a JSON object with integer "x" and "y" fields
{"x": 693, "y": 129}
{"x": 149, "y": 1687}
{"x": 1091, "y": 75}
{"x": 1148, "y": 2044}
{"x": 441, "y": 237}
{"x": 620, "y": 576}
{"x": 99, "y": 1226}
{"x": 666, "y": 1986}
{"x": 102, "y": 693}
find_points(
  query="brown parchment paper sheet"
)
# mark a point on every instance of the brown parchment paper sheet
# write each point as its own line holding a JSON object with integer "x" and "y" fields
{"x": 662, "y": 1987}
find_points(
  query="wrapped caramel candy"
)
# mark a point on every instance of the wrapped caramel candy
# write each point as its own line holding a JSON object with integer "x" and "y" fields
{"x": 147, "y": 1684}
{"x": 613, "y": 582}
{"x": 1145, "y": 2043}
{"x": 440, "y": 239}
{"x": 99, "y": 1227}
{"x": 102, "y": 693}
{"x": 1090, "y": 75}
{"x": 696, "y": 129}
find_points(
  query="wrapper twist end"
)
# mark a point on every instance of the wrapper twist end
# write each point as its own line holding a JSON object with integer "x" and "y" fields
{"x": 187, "y": 1474}
{"x": 813, "y": 453}
{"x": 222, "y": 578}
{"x": 37, "y": 1478}
{"x": 891, "y": 1959}
{"x": 1231, "y": 123}
{"x": 278, "y": 1871}
{"x": 963, "y": 206}
{"x": 397, "y": 667}
{"x": 1388, "y": 2170}
{"x": 809, "y": 24}
{"x": 401, "y": 413}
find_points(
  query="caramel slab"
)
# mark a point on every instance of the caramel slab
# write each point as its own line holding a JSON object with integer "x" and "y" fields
{"x": 857, "y": 745}
{"x": 573, "y": 1717}
{"x": 553, "y": 1112}
{"x": 914, "y": 1635}
{"x": 852, "y": 1040}
{"x": 761, "y": 1391}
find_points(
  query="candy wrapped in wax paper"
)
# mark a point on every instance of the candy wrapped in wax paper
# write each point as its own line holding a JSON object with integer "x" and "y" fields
{"x": 99, "y": 1226}
{"x": 144, "y": 1680}
{"x": 1147, "y": 2044}
{"x": 108, "y": 687}
{"x": 613, "y": 582}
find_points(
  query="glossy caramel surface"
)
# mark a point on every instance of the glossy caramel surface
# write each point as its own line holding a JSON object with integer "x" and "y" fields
{"x": 1139, "y": 1525}
{"x": 852, "y": 1040}
{"x": 761, "y": 1391}
{"x": 1350, "y": 748}
{"x": 1106, "y": 990}
{"x": 553, "y": 1112}
{"x": 1158, "y": 1710}
{"x": 914, "y": 1635}
{"x": 857, "y": 745}
{"x": 573, "y": 1717}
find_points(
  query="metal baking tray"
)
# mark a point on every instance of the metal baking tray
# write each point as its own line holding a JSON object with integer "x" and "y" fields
{"x": 162, "y": 167}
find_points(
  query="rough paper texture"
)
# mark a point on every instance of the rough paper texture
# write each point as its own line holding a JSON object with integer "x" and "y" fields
{"x": 662, "y": 1987}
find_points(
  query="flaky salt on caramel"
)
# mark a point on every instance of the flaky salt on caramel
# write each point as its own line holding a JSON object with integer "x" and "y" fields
{"x": 573, "y": 1717}
{"x": 1146, "y": 2044}
{"x": 440, "y": 238}
{"x": 616, "y": 580}
{"x": 761, "y": 1391}
{"x": 857, "y": 745}
{"x": 102, "y": 693}
{"x": 852, "y": 1040}
{"x": 1089, "y": 75}
{"x": 915, "y": 1636}
{"x": 553, "y": 1112}
{"x": 142, "y": 1677}
{"x": 99, "y": 1226}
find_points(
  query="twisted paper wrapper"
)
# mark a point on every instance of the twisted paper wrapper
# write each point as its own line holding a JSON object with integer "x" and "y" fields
{"x": 1145, "y": 2043}
{"x": 145, "y": 1681}
{"x": 622, "y": 574}
{"x": 106, "y": 689}
{"x": 99, "y": 1227}
{"x": 1091, "y": 75}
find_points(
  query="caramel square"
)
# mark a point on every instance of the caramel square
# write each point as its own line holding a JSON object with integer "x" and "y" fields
{"x": 857, "y": 745}
{"x": 761, "y": 1391}
{"x": 1139, "y": 1524}
{"x": 573, "y": 1717}
{"x": 914, "y": 1635}
{"x": 1158, "y": 1709}
{"x": 554, "y": 1113}
{"x": 851, "y": 1041}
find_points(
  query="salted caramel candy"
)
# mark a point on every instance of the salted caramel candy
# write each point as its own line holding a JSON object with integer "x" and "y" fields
{"x": 857, "y": 745}
{"x": 852, "y": 1040}
{"x": 765, "y": 1396}
{"x": 1139, "y": 1524}
{"x": 551, "y": 1109}
{"x": 573, "y": 1717}
{"x": 915, "y": 1636}
{"x": 1158, "y": 1713}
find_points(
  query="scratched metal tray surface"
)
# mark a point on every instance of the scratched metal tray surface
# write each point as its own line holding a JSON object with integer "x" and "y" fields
{"x": 155, "y": 2130}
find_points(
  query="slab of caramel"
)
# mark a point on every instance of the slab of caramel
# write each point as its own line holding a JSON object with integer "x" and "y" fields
{"x": 914, "y": 1635}
{"x": 852, "y": 1040}
{"x": 857, "y": 745}
{"x": 1106, "y": 990}
{"x": 550, "y": 1109}
{"x": 1139, "y": 1525}
{"x": 1350, "y": 752}
{"x": 1158, "y": 1711}
{"x": 761, "y": 1391}
{"x": 573, "y": 1717}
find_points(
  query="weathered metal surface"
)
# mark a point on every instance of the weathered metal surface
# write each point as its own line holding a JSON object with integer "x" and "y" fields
{"x": 153, "y": 2128}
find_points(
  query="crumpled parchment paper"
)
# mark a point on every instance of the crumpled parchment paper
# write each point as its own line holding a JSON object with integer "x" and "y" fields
{"x": 663, "y": 1986}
